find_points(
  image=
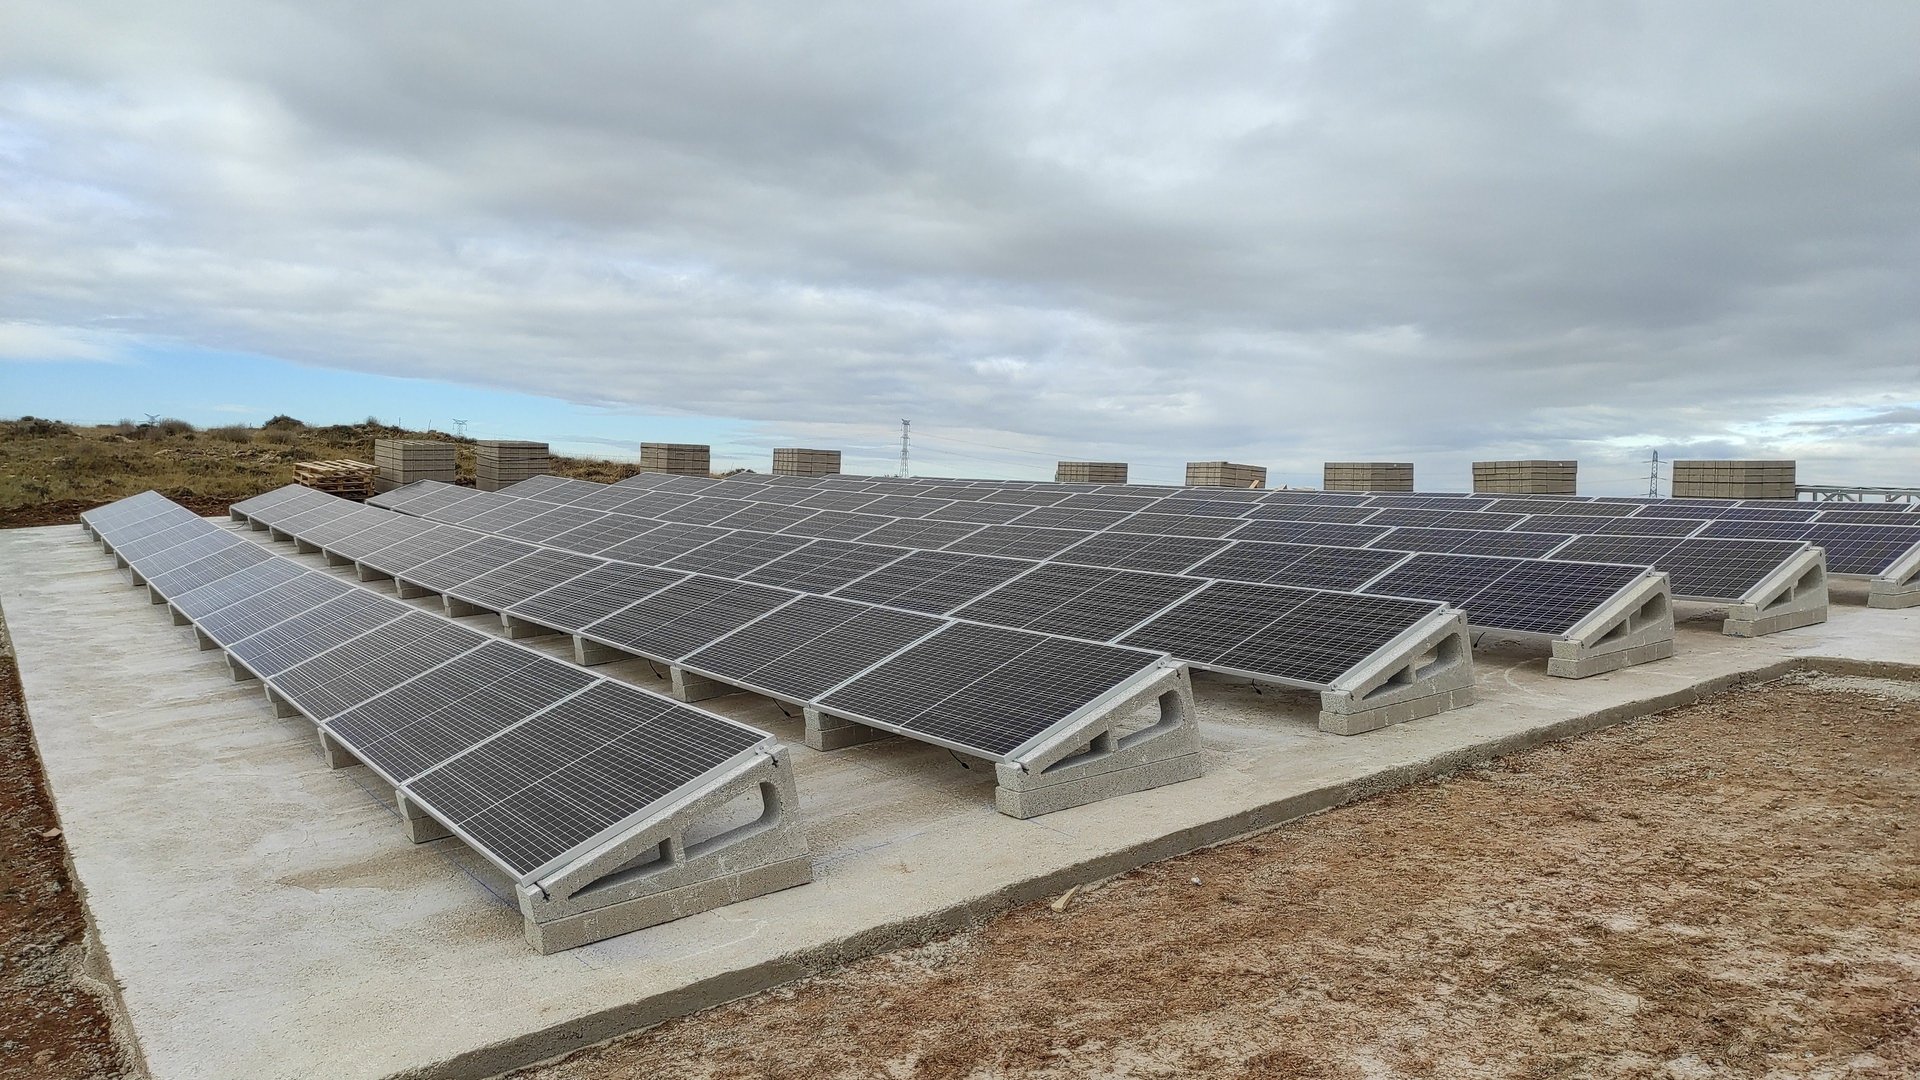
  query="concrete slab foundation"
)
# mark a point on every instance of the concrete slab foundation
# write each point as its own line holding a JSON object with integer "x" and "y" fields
{"x": 332, "y": 928}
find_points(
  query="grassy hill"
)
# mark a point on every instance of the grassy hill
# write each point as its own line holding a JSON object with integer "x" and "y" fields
{"x": 51, "y": 471}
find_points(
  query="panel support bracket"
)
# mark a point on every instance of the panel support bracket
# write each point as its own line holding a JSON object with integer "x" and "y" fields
{"x": 1093, "y": 759}
{"x": 1899, "y": 585}
{"x": 1426, "y": 670}
{"x": 1634, "y": 627}
{"x": 1795, "y": 594}
{"x": 667, "y": 867}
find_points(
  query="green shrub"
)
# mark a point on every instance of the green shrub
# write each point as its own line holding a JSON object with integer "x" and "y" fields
{"x": 234, "y": 433}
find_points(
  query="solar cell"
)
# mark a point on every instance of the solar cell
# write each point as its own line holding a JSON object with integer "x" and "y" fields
{"x": 686, "y": 616}
{"x": 986, "y": 690}
{"x": 1079, "y": 601}
{"x": 933, "y": 582}
{"x": 813, "y": 644}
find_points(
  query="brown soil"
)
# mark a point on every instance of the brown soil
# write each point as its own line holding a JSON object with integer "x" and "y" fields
{"x": 1730, "y": 889}
{"x": 52, "y": 1024}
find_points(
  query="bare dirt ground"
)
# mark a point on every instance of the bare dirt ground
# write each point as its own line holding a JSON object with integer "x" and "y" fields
{"x": 1727, "y": 890}
{"x": 53, "y": 1025}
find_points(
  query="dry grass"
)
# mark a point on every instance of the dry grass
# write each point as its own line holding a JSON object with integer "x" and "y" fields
{"x": 50, "y": 472}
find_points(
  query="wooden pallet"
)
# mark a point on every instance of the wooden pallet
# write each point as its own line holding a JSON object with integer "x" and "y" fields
{"x": 347, "y": 479}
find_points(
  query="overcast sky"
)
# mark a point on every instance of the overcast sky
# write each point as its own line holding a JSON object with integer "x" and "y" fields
{"x": 1276, "y": 233}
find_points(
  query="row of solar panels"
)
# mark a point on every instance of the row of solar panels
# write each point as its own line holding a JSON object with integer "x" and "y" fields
{"x": 1863, "y": 541}
{"x": 1231, "y": 501}
{"x": 1703, "y": 568}
{"x": 530, "y": 760}
{"x": 1513, "y": 594}
{"x": 739, "y": 579}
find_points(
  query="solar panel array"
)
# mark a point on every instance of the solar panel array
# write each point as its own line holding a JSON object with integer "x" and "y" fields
{"x": 696, "y": 605}
{"x": 527, "y": 758}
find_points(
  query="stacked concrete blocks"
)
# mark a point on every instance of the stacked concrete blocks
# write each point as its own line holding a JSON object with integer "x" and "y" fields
{"x": 498, "y": 463}
{"x": 1528, "y": 477}
{"x": 1733, "y": 479}
{"x": 798, "y": 461}
{"x": 1225, "y": 474}
{"x": 1090, "y": 472}
{"x": 682, "y": 459}
{"x": 1367, "y": 476}
{"x": 399, "y": 462}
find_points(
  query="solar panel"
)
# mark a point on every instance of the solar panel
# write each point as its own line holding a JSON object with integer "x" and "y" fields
{"x": 934, "y": 582}
{"x": 986, "y": 690}
{"x": 1018, "y": 541}
{"x": 198, "y": 602}
{"x": 1446, "y": 519}
{"x": 811, "y": 645}
{"x": 222, "y": 563}
{"x": 543, "y": 787}
{"x": 314, "y": 631}
{"x": 1326, "y": 568}
{"x": 737, "y": 554}
{"x": 496, "y": 518}
{"x": 902, "y": 506}
{"x": 597, "y": 536}
{"x": 1758, "y": 530}
{"x": 1054, "y": 517}
{"x": 1724, "y": 569}
{"x": 558, "y": 520}
{"x": 471, "y": 504}
{"x": 594, "y": 595}
{"x": 403, "y": 555}
{"x": 920, "y": 533}
{"x": 837, "y": 525}
{"x": 1452, "y": 579}
{"x": 1027, "y": 497}
{"x": 979, "y": 513}
{"x": 374, "y": 537}
{"x": 360, "y": 517}
{"x": 655, "y": 504}
{"x": 782, "y": 494}
{"x": 605, "y": 498}
{"x": 1518, "y": 545}
{"x": 1164, "y": 524}
{"x": 1618, "y": 526}
{"x": 1341, "y": 515}
{"x": 1634, "y": 550}
{"x": 1863, "y": 549}
{"x": 823, "y": 565}
{"x": 838, "y": 500}
{"x": 321, "y": 512}
{"x": 1126, "y": 503}
{"x": 686, "y": 616}
{"x": 1548, "y": 597}
{"x": 705, "y": 510}
{"x": 1191, "y": 507}
{"x": 766, "y": 518}
{"x": 1079, "y": 601}
{"x": 1857, "y": 516}
{"x": 664, "y": 543}
{"x": 203, "y": 541}
{"x": 1748, "y": 512}
{"x": 1165, "y": 554}
{"x": 247, "y": 615}
{"x": 244, "y": 507}
{"x": 1331, "y": 534}
{"x": 378, "y": 660}
{"x": 524, "y": 577}
{"x": 545, "y": 488}
{"x": 463, "y": 564}
{"x": 1434, "y": 502}
{"x": 1286, "y": 635}
{"x": 1568, "y": 507}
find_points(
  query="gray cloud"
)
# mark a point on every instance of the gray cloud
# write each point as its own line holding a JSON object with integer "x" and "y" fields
{"x": 1280, "y": 233}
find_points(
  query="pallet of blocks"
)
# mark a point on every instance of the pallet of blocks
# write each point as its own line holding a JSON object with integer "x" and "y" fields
{"x": 499, "y": 463}
{"x": 1367, "y": 476}
{"x": 799, "y": 461}
{"x": 684, "y": 459}
{"x": 399, "y": 462}
{"x": 346, "y": 478}
{"x": 1225, "y": 474}
{"x": 1734, "y": 479}
{"x": 1090, "y": 472}
{"x": 1530, "y": 477}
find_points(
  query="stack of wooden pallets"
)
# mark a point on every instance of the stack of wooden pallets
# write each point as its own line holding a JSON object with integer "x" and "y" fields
{"x": 346, "y": 478}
